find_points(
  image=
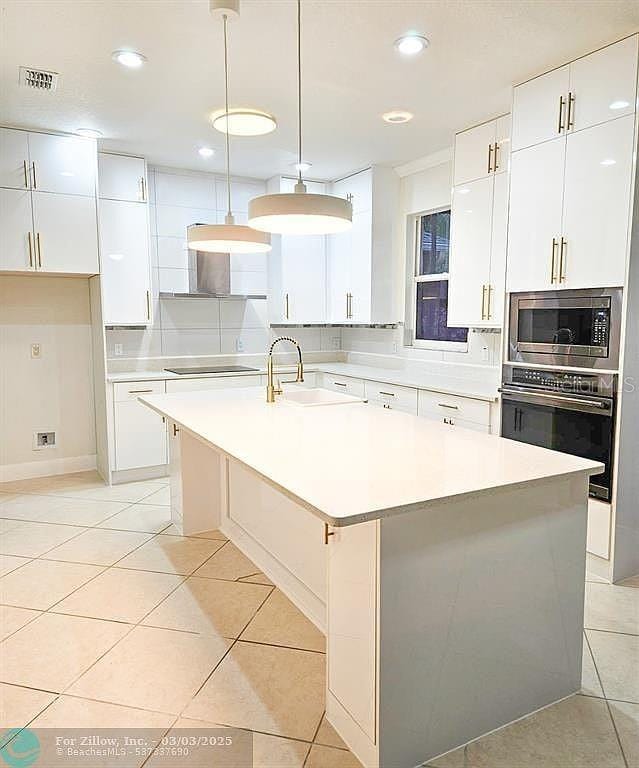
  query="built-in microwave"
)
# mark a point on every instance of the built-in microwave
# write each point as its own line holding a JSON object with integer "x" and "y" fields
{"x": 566, "y": 328}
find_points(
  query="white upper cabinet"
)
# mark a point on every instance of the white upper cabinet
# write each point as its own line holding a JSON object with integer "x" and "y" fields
{"x": 539, "y": 109}
{"x": 16, "y": 231}
{"x": 603, "y": 85}
{"x": 596, "y": 205}
{"x": 124, "y": 249}
{"x": 474, "y": 151}
{"x": 64, "y": 164}
{"x": 14, "y": 159}
{"x": 122, "y": 177}
{"x": 66, "y": 233}
{"x": 534, "y": 225}
{"x": 478, "y": 226}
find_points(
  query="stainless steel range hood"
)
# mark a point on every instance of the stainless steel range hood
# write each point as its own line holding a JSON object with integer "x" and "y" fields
{"x": 209, "y": 278}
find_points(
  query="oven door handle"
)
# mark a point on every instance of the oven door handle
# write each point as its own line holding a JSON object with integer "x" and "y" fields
{"x": 561, "y": 401}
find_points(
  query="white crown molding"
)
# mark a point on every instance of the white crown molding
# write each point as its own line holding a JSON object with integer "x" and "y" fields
{"x": 423, "y": 163}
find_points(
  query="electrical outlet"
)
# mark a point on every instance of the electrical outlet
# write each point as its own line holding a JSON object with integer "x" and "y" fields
{"x": 118, "y": 350}
{"x": 36, "y": 351}
{"x": 43, "y": 440}
{"x": 239, "y": 345}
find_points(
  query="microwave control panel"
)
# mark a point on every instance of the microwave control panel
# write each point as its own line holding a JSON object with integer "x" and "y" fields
{"x": 565, "y": 381}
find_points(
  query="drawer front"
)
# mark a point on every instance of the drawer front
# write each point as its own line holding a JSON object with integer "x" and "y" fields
{"x": 435, "y": 405}
{"x": 131, "y": 390}
{"x": 345, "y": 384}
{"x": 392, "y": 396}
{"x": 216, "y": 382}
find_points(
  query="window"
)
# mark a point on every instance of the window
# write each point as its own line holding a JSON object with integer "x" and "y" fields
{"x": 430, "y": 284}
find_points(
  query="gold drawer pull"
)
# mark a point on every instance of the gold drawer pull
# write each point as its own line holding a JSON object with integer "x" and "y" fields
{"x": 140, "y": 391}
{"x": 388, "y": 394}
{"x": 327, "y": 533}
{"x": 339, "y": 384}
{"x": 446, "y": 405}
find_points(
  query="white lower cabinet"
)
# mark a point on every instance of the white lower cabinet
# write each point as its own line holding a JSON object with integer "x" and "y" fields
{"x": 392, "y": 396}
{"x": 140, "y": 433}
{"x": 455, "y": 410}
{"x": 346, "y": 384}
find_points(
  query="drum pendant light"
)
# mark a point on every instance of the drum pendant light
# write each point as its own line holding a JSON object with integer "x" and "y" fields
{"x": 299, "y": 212}
{"x": 228, "y": 237}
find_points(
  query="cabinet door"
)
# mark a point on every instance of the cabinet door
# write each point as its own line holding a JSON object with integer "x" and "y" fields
{"x": 604, "y": 84}
{"x": 66, "y": 231}
{"x": 536, "y": 115}
{"x": 304, "y": 278}
{"x": 140, "y": 436}
{"x": 14, "y": 159}
{"x": 361, "y": 267}
{"x": 536, "y": 193}
{"x": 65, "y": 164}
{"x": 498, "y": 244}
{"x": 501, "y": 163}
{"x": 472, "y": 148}
{"x": 358, "y": 188}
{"x": 121, "y": 177}
{"x": 339, "y": 276}
{"x": 16, "y": 236}
{"x": 124, "y": 250}
{"x": 469, "y": 266}
{"x": 597, "y": 204}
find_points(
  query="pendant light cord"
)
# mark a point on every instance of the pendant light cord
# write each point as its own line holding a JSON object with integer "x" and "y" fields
{"x": 226, "y": 107}
{"x": 299, "y": 90}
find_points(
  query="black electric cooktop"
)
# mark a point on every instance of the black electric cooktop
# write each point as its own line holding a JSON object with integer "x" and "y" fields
{"x": 210, "y": 369}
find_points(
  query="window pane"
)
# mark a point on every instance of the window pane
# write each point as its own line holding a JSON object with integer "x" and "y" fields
{"x": 433, "y": 243}
{"x": 432, "y": 312}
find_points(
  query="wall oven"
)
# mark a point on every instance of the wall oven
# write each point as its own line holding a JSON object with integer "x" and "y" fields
{"x": 565, "y": 411}
{"x": 578, "y": 328}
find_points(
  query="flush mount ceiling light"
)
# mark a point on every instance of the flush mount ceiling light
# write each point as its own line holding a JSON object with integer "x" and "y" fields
{"x": 397, "y": 116}
{"x": 411, "y": 44}
{"x": 130, "y": 59}
{"x": 206, "y": 152}
{"x": 89, "y": 133}
{"x": 228, "y": 237}
{"x": 242, "y": 121}
{"x": 298, "y": 212}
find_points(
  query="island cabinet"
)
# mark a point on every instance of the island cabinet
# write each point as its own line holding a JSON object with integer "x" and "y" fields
{"x": 360, "y": 264}
{"x": 124, "y": 241}
{"x": 48, "y": 220}
{"x": 479, "y": 218}
{"x": 571, "y": 173}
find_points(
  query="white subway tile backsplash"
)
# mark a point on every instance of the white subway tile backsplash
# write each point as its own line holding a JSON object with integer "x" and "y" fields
{"x": 172, "y": 220}
{"x": 174, "y": 280}
{"x": 249, "y": 262}
{"x": 249, "y": 283}
{"x": 190, "y": 341}
{"x": 236, "y": 314}
{"x": 173, "y": 252}
{"x": 190, "y": 313}
{"x": 135, "y": 343}
{"x": 190, "y": 191}
{"x": 251, "y": 340}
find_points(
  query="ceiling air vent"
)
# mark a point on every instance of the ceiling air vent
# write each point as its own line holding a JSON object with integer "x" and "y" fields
{"x": 39, "y": 79}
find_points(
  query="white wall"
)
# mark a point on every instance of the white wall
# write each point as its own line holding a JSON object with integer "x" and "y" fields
{"x": 202, "y": 327}
{"x": 54, "y": 392}
{"x": 425, "y": 185}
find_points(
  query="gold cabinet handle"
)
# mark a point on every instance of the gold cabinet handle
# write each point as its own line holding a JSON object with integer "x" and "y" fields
{"x": 143, "y": 189}
{"x": 33, "y": 175}
{"x": 553, "y": 278}
{"x": 447, "y": 405}
{"x": 489, "y": 290}
{"x": 327, "y": 533}
{"x": 570, "y": 122}
{"x": 286, "y": 306}
{"x": 30, "y": 242}
{"x": 175, "y": 429}
{"x": 490, "y": 158}
{"x": 39, "y": 250}
{"x": 148, "y": 305}
{"x": 26, "y": 174}
{"x": 563, "y": 252}
{"x": 349, "y": 305}
{"x": 339, "y": 384}
{"x": 560, "y": 121}
{"x": 483, "y": 302}
{"x": 495, "y": 158}
{"x": 388, "y": 394}
{"x": 140, "y": 391}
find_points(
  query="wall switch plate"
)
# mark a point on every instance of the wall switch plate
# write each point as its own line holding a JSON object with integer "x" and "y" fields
{"x": 43, "y": 440}
{"x": 36, "y": 351}
{"x": 118, "y": 350}
{"x": 239, "y": 345}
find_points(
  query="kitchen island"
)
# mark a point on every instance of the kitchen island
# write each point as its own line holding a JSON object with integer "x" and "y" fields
{"x": 446, "y": 567}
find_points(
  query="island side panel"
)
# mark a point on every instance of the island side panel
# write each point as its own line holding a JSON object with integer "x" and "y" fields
{"x": 198, "y": 483}
{"x": 481, "y": 615}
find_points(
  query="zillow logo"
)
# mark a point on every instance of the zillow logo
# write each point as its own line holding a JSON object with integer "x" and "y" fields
{"x": 21, "y": 748}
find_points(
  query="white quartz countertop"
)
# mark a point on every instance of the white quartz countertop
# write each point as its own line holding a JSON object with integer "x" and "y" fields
{"x": 350, "y": 463}
{"x": 435, "y": 382}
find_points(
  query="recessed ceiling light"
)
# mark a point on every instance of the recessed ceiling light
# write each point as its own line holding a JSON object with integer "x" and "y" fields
{"x": 411, "y": 44}
{"x": 206, "y": 152}
{"x": 303, "y": 166}
{"x": 608, "y": 161}
{"x": 131, "y": 59}
{"x": 397, "y": 116}
{"x": 89, "y": 133}
{"x": 619, "y": 104}
{"x": 243, "y": 121}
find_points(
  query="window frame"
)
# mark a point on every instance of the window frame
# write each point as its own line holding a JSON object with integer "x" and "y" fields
{"x": 412, "y": 281}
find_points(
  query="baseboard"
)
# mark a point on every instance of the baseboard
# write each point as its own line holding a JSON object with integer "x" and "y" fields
{"x": 142, "y": 473}
{"x": 30, "y": 469}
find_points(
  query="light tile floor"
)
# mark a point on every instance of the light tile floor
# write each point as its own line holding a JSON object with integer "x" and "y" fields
{"x": 110, "y": 618}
